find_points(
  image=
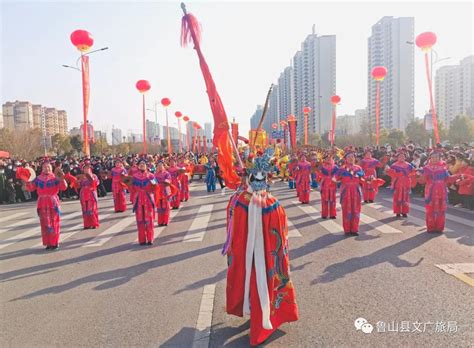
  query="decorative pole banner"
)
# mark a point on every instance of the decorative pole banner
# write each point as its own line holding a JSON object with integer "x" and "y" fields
{"x": 166, "y": 102}
{"x": 425, "y": 41}
{"x": 143, "y": 86}
{"x": 306, "y": 111}
{"x": 186, "y": 119}
{"x": 378, "y": 73}
{"x": 335, "y": 99}
{"x": 292, "y": 128}
{"x": 85, "y": 100}
{"x": 235, "y": 131}
{"x": 180, "y": 144}
{"x": 191, "y": 32}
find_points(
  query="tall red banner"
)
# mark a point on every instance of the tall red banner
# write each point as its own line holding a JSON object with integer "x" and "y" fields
{"x": 190, "y": 31}
{"x": 377, "y": 113}
{"x": 85, "y": 99}
{"x": 432, "y": 105}
{"x": 292, "y": 130}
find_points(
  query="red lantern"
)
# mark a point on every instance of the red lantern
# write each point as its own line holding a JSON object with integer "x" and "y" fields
{"x": 379, "y": 73}
{"x": 185, "y": 118}
{"x": 143, "y": 86}
{"x": 274, "y": 126}
{"x": 335, "y": 99}
{"x": 426, "y": 40}
{"x": 82, "y": 39}
{"x": 165, "y": 102}
{"x": 283, "y": 123}
{"x": 178, "y": 114}
{"x": 306, "y": 110}
{"x": 291, "y": 118}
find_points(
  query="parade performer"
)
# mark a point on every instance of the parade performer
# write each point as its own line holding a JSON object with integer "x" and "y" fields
{"x": 326, "y": 177}
{"x": 211, "y": 175}
{"x": 258, "y": 275}
{"x": 370, "y": 182}
{"x": 435, "y": 177}
{"x": 303, "y": 179}
{"x": 47, "y": 186}
{"x": 88, "y": 183}
{"x": 349, "y": 175}
{"x": 163, "y": 180}
{"x": 184, "y": 180}
{"x": 291, "y": 172}
{"x": 401, "y": 173}
{"x": 118, "y": 188}
{"x": 175, "y": 173}
{"x": 283, "y": 164}
{"x": 143, "y": 188}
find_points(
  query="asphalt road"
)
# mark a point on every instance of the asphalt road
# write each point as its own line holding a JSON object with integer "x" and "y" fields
{"x": 103, "y": 289}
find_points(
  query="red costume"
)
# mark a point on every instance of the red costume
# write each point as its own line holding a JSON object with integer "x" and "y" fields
{"x": 401, "y": 173}
{"x": 118, "y": 189}
{"x": 175, "y": 180}
{"x": 184, "y": 181}
{"x": 47, "y": 187}
{"x": 131, "y": 172}
{"x": 258, "y": 280}
{"x": 163, "y": 179}
{"x": 435, "y": 177}
{"x": 303, "y": 181}
{"x": 328, "y": 188}
{"x": 144, "y": 206}
{"x": 351, "y": 196}
{"x": 88, "y": 197}
{"x": 370, "y": 183}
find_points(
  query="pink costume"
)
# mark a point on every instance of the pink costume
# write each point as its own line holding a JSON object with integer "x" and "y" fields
{"x": 401, "y": 174}
{"x": 350, "y": 199}
{"x": 303, "y": 181}
{"x": 176, "y": 199}
{"x": 370, "y": 183}
{"x": 163, "y": 205}
{"x": 435, "y": 177}
{"x": 144, "y": 206}
{"x": 47, "y": 186}
{"x": 184, "y": 181}
{"x": 328, "y": 189}
{"x": 88, "y": 197}
{"x": 118, "y": 190}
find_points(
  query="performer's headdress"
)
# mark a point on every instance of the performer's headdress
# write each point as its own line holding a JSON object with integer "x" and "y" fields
{"x": 259, "y": 170}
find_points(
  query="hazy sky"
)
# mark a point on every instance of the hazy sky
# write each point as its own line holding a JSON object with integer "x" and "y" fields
{"x": 247, "y": 45}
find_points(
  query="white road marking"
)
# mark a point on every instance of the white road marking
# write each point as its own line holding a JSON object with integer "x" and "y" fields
{"x": 292, "y": 230}
{"x": 459, "y": 270}
{"x": 448, "y": 216}
{"x": 109, "y": 233}
{"x": 12, "y": 216}
{"x": 204, "y": 321}
{"x": 330, "y": 225}
{"x": 18, "y": 224}
{"x": 198, "y": 227}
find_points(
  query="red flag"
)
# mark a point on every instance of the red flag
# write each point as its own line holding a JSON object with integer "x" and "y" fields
{"x": 191, "y": 32}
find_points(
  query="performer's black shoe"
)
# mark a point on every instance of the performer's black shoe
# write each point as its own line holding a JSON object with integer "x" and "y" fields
{"x": 54, "y": 247}
{"x": 324, "y": 217}
{"x": 371, "y": 201}
{"x": 355, "y": 233}
{"x": 149, "y": 243}
{"x": 165, "y": 224}
{"x": 47, "y": 248}
{"x": 143, "y": 243}
{"x": 332, "y": 217}
{"x": 399, "y": 215}
{"x": 405, "y": 215}
{"x": 366, "y": 201}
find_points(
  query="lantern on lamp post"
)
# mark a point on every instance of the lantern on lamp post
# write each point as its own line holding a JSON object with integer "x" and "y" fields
{"x": 335, "y": 99}
{"x": 178, "y": 116}
{"x": 143, "y": 86}
{"x": 167, "y": 102}
{"x": 378, "y": 73}
{"x": 186, "y": 120}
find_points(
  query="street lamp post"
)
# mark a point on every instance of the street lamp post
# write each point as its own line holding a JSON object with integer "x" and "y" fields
{"x": 143, "y": 86}
{"x": 83, "y": 41}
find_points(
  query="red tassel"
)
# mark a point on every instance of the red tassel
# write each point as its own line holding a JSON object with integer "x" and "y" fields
{"x": 189, "y": 27}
